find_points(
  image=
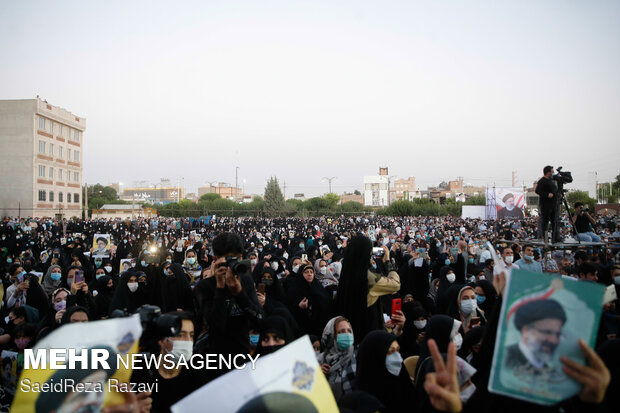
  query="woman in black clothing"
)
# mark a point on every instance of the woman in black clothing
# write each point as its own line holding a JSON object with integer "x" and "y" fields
{"x": 175, "y": 291}
{"x": 380, "y": 372}
{"x": 103, "y": 299}
{"x": 127, "y": 296}
{"x": 309, "y": 302}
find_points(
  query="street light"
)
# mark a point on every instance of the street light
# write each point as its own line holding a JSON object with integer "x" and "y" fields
{"x": 330, "y": 182}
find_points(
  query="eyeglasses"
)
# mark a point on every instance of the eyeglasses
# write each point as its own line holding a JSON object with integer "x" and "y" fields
{"x": 550, "y": 333}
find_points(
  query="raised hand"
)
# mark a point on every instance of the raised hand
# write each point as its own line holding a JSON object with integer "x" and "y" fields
{"x": 442, "y": 386}
{"x": 594, "y": 378}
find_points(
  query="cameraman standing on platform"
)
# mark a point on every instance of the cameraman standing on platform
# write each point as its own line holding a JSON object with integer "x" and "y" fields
{"x": 582, "y": 220}
{"x": 547, "y": 189}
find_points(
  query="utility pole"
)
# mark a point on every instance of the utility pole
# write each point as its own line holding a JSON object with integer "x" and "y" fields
{"x": 236, "y": 183}
{"x": 330, "y": 179}
{"x": 85, "y": 200}
{"x": 284, "y": 189}
{"x": 514, "y": 178}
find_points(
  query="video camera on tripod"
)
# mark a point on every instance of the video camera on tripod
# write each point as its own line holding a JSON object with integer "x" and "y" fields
{"x": 562, "y": 177}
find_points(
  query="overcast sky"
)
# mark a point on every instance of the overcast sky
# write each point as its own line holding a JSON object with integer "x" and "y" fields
{"x": 309, "y": 89}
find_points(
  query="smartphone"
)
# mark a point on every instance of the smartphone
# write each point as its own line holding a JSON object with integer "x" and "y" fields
{"x": 79, "y": 277}
{"x": 396, "y": 305}
{"x": 261, "y": 288}
{"x": 304, "y": 257}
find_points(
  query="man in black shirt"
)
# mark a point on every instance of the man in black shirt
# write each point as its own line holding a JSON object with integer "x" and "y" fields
{"x": 547, "y": 189}
{"x": 582, "y": 221}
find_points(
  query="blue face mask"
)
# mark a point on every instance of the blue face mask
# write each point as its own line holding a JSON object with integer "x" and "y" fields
{"x": 447, "y": 261}
{"x": 301, "y": 246}
{"x": 374, "y": 266}
{"x": 20, "y": 276}
{"x": 456, "y": 238}
{"x": 99, "y": 276}
{"x": 254, "y": 339}
{"x": 528, "y": 257}
{"x": 480, "y": 299}
{"x": 470, "y": 260}
{"x": 55, "y": 276}
{"x": 344, "y": 341}
{"x": 143, "y": 263}
{"x": 9, "y": 260}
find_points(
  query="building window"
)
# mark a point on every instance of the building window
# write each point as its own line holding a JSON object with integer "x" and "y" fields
{"x": 60, "y": 174}
{"x": 59, "y": 130}
{"x": 41, "y": 147}
{"x": 41, "y": 123}
{"x": 76, "y": 135}
{"x": 68, "y": 176}
{"x": 51, "y": 145}
{"x": 41, "y": 171}
{"x": 60, "y": 151}
{"x": 51, "y": 174}
{"x": 60, "y": 197}
{"x": 69, "y": 154}
{"x": 76, "y": 156}
{"x": 51, "y": 196}
{"x": 51, "y": 127}
{"x": 41, "y": 195}
{"x": 76, "y": 176}
{"x": 69, "y": 197}
{"x": 76, "y": 198}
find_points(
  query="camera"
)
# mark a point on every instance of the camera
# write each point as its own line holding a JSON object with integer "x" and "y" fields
{"x": 563, "y": 177}
{"x": 155, "y": 325}
{"x": 585, "y": 209}
{"x": 378, "y": 252}
{"x": 236, "y": 266}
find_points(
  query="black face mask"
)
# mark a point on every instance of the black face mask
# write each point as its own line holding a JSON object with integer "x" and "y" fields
{"x": 270, "y": 349}
{"x": 267, "y": 281}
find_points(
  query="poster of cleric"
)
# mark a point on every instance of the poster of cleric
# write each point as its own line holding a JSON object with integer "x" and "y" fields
{"x": 542, "y": 318}
{"x": 505, "y": 203}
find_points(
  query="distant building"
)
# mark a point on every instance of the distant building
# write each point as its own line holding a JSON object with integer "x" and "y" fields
{"x": 222, "y": 189}
{"x": 41, "y": 159}
{"x": 404, "y": 189}
{"x": 112, "y": 211}
{"x": 299, "y": 197}
{"x": 376, "y": 189}
{"x": 351, "y": 197}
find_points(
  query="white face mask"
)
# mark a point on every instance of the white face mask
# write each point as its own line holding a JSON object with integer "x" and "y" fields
{"x": 393, "y": 363}
{"x": 323, "y": 270}
{"x": 182, "y": 348}
{"x": 482, "y": 277}
{"x": 107, "y": 268}
{"x": 419, "y": 324}
{"x": 274, "y": 266}
{"x": 451, "y": 277}
{"x": 508, "y": 259}
{"x": 132, "y": 287}
{"x": 254, "y": 261}
{"x": 468, "y": 306}
{"x": 295, "y": 268}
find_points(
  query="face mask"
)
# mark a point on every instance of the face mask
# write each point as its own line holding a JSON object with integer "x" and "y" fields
{"x": 344, "y": 341}
{"x": 107, "y": 268}
{"x": 470, "y": 260}
{"x": 617, "y": 280}
{"x": 267, "y": 281}
{"x": 323, "y": 270}
{"x": 143, "y": 263}
{"x": 55, "y": 276}
{"x": 182, "y": 347}
{"x": 271, "y": 349}
{"x": 169, "y": 261}
{"x": 447, "y": 261}
{"x": 456, "y": 238}
{"x": 419, "y": 324}
{"x": 468, "y": 392}
{"x": 260, "y": 250}
{"x": 191, "y": 261}
{"x": 132, "y": 287}
{"x": 468, "y": 306}
{"x": 508, "y": 259}
{"x": 393, "y": 363}
{"x": 458, "y": 340}
{"x": 124, "y": 241}
{"x": 301, "y": 246}
{"x": 339, "y": 246}
{"x": 451, "y": 277}
{"x": 97, "y": 263}
{"x": 254, "y": 261}
{"x": 274, "y": 266}
{"x": 22, "y": 343}
{"x": 99, "y": 276}
{"x": 482, "y": 277}
{"x": 133, "y": 265}
{"x": 480, "y": 299}
{"x": 9, "y": 260}
{"x": 179, "y": 249}
{"x": 295, "y": 268}
{"x": 528, "y": 257}
{"x": 374, "y": 266}
{"x": 60, "y": 305}
{"x": 254, "y": 339}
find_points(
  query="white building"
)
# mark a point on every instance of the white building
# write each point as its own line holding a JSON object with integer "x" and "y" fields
{"x": 376, "y": 189}
{"x": 41, "y": 153}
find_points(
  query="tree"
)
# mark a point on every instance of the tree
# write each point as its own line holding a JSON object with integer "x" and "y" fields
{"x": 356, "y": 192}
{"x": 210, "y": 197}
{"x": 332, "y": 199}
{"x": 99, "y": 195}
{"x": 274, "y": 200}
{"x": 352, "y": 207}
{"x": 476, "y": 200}
{"x": 580, "y": 196}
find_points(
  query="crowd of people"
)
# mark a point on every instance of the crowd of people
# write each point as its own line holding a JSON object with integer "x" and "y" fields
{"x": 254, "y": 285}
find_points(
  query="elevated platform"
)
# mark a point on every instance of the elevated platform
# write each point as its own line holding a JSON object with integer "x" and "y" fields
{"x": 568, "y": 244}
